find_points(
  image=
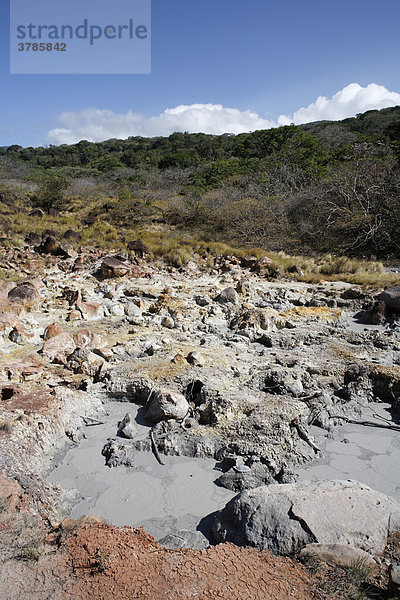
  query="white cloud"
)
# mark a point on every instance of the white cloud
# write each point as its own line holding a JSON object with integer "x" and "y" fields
{"x": 98, "y": 125}
{"x": 349, "y": 101}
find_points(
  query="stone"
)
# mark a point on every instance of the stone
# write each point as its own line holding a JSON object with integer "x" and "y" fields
{"x": 195, "y": 359}
{"x": 391, "y": 298}
{"x": 394, "y": 581}
{"x": 20, "y": 335}
{"x": 74, "y": 315}
{"x": 184, "y": 539}
{"x": 50, "y": 245}
{"x": 138, "y": 247}
{"x": 131, "y": 310}
{"x": 117, "y": 455}
{"x": 78, "y": 265}
{"x": 90, "y": 311}
{"x": 168, "y": 322}
{"x": 116, "y": 310}
{"x": 8, "y": 320}
{"x": 89, "y": 340}
{"x": 166, "y": 404}
{"x": 341, "y": 555}
{"x": 285, "y": 518}
{"x": 112, "y": 267}
{"x": 67, "y": 251}
{"x": 228, "y": 296}
{"x": 24, "y": 293}
{"x": 52, "y": 330}
{"x": 33, "y": 238}
{"x": 202, "y": 301}
{"x": 126, "y": 428}
{"x": 57, "y": 348}
{"x": 71, "y": 234}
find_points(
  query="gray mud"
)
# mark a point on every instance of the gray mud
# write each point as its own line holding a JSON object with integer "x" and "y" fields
{"x": 368, "y": 454}
{"x": 162, "y": 499}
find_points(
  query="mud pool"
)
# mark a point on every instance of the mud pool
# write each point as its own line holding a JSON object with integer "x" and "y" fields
{"x": 367, "y": 454}
{"x": 161, "y": 498}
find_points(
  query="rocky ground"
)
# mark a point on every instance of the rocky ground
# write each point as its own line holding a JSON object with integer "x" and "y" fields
{"x": 228, "y": 362}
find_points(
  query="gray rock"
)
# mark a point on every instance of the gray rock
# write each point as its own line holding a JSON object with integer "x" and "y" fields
{"x": 202, "y": 301}
{"x": 131, "y": 310}
{"x": 391, "y": 297}
{"x": 228, "y": 296}
{"x": 168, "y": 322}
{"x": 116, "y": 310}
{"x": 127, "y": 428}
{"x": 117, "y": 455}
{"x": 184, "y": 539}
{"x": 166, "y": 404}
{"x": 285, "y": 518}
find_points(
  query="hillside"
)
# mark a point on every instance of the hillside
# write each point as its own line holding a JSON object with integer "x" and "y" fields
{"x": 316, "y": 188}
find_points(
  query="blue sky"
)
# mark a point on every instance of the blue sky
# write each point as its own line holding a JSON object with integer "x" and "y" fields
{"x": 267, "y": 57}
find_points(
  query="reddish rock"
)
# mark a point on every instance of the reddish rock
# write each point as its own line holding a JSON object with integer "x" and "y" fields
{"x": 7, "y": 320}
{"x": 89, "y": 340}
{"x": 112, "y": 267}
{"x": 52, "y": 330}
{"x": 74, "y": 315}
{"x": 57, "y": 348}
{"x": 5, "y": 288}
{"x": 90, "y": 310}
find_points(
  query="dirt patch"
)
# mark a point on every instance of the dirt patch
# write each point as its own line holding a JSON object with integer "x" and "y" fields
{"x": 103, "y": 562}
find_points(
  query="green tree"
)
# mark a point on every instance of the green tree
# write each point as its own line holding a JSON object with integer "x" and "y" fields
{"x": 51, "y": 190}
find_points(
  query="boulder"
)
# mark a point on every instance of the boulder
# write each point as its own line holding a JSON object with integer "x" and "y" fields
{"x": 167, "y": 404}
{"x": 32, "y": 238}
{"x": 57, "y": 348}
{"x": 78, "y": 265}
{"x": 52, "y": 330}
{"x": 126, "y": 427}
{"x": 285, "y": 518}
{"x": 201, "y": 301}
{"x": 73, "y": 235}
{"x": 391, "y": 298}
{"x": 67, "y": 251}
{"x": 50, "y": 245}
{"x": 112, "y": 267}
{"x": 90, "y": 310}
{"x": 138, "y": 247}
{"x": 74, "y": 315}
{"x": 228, "y": 296}
{"x": 24, "y": 293}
